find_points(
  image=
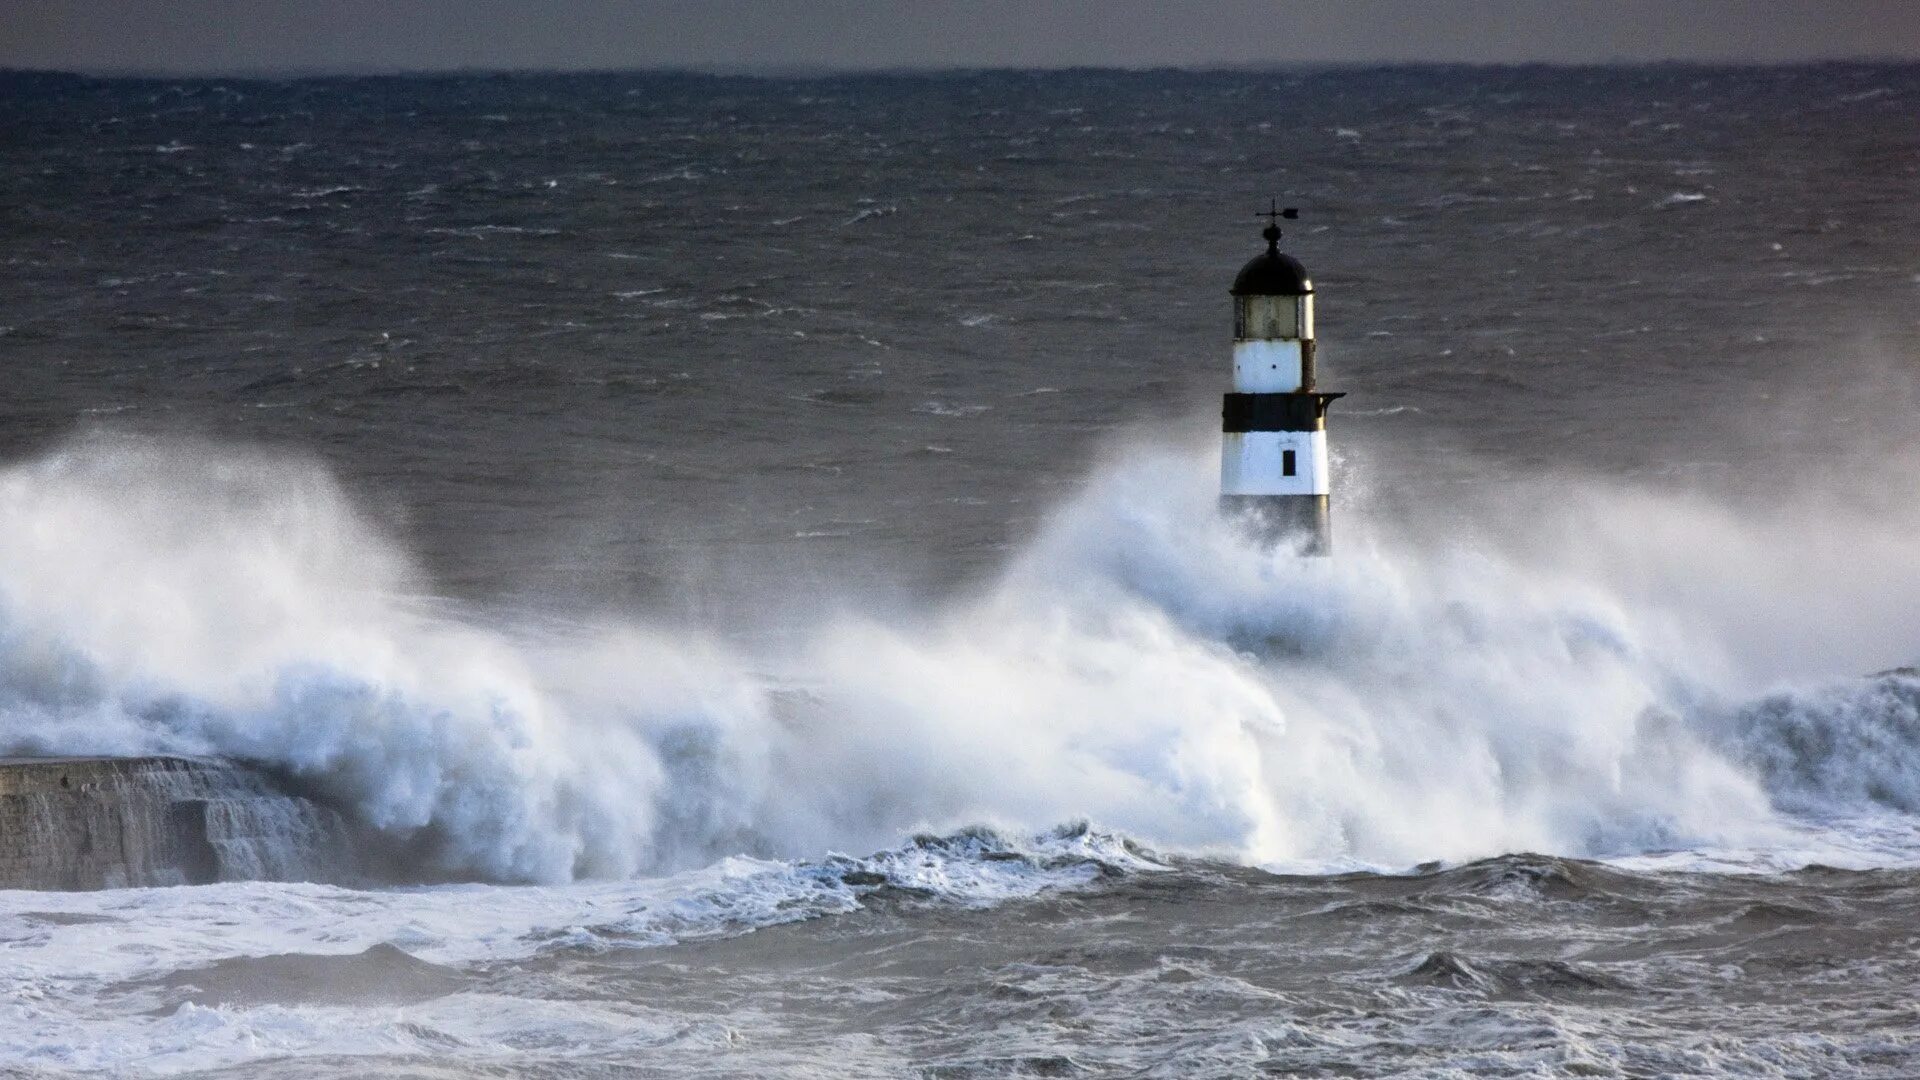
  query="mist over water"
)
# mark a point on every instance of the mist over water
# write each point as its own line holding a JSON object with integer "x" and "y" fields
{"x": 1580, "y": 676}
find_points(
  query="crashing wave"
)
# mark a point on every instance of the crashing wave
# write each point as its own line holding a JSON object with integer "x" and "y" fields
{"x": 1567, "y": 681}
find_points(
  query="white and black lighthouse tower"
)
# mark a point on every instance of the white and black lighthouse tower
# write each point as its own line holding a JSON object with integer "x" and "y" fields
{"x": 1273, "y": 463}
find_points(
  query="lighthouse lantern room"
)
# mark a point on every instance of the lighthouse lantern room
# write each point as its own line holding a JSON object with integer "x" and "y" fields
{"x": 1273, "y": 465}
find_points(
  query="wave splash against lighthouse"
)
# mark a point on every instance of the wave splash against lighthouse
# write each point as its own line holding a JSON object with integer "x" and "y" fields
{"x": 1156, "y": 674}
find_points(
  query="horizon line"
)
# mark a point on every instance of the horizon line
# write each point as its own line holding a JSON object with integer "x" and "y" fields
{"x": 796, "y": 72}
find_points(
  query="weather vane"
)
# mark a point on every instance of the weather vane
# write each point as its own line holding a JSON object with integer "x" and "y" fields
{"x": 1274, "y": 214}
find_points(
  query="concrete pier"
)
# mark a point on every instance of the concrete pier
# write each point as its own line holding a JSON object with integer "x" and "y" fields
{"x": 103, "y": 823}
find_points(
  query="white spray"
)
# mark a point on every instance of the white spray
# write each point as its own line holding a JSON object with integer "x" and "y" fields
{"x": 1567, "y": 681}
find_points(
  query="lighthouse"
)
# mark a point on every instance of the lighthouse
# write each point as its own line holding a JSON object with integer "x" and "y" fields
{"x": 1273, "y": 461}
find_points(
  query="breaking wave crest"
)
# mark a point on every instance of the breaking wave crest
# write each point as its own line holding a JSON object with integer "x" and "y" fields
{"x": 1593, "y": 673}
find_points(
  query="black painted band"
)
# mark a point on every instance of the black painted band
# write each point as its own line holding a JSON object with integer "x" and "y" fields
{"x": 1275, "y": 412}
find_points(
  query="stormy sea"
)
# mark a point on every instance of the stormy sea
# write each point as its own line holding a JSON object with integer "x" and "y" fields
{"x": 741, "y": 554}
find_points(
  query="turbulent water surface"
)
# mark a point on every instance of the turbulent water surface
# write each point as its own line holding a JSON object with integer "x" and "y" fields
{"x": 743, "y": 551}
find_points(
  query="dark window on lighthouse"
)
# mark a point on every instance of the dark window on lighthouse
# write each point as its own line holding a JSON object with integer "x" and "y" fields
{"x": 1286, "y": 463}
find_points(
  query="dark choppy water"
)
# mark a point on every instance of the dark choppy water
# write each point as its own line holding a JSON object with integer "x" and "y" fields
{"x": 641, "y": 488}
{"x": 663, "y": 318}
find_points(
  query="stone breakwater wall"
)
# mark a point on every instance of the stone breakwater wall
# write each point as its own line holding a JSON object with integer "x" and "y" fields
{"x": 106, "y": 823}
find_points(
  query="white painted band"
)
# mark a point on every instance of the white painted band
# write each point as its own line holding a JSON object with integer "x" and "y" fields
{"x": 1270, "y": 366}
{"x": 1254, "y": 463}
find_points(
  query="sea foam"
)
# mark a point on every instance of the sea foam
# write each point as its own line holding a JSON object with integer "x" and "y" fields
{"x": 1579, "y": 670}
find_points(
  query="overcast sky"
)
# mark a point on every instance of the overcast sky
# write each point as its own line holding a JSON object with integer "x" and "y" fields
{"x": 226, "y": 36}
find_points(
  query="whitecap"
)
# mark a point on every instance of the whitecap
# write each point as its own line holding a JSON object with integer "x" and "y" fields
{"x": 943, "y": 408}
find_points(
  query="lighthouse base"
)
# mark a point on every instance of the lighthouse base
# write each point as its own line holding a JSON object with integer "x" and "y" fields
{"x": 1304, "y": 521}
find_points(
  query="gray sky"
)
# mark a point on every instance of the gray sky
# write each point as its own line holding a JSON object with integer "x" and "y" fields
{"x": 224, "y": 36}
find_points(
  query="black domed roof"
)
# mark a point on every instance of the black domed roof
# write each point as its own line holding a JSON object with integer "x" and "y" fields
{"x": 1272, "y": 273}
